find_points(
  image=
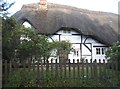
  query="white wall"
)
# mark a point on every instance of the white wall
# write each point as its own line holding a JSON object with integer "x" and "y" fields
{"x": 77, "y": 44}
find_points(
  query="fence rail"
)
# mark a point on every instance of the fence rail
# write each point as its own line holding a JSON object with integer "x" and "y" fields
{"x": 62, "y": 70}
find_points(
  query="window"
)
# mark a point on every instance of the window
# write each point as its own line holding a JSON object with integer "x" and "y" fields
{"x": 27, "y": 24}
{"x": 69, "y": 31}
{"x": 100, "y": 51}
{"x": 77, "y": 53}
{"x": 97, "y": 51}
{"x": 66, "y": 31}
{"x": 103, "y": 51}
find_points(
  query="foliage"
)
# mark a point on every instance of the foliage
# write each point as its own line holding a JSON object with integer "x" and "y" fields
{"x": 9, "y": 39}
{"x": 63, "y": 47}
{"x": 113, "y": 53}
{"x": 19, "y": 78}
{"x": 22, "y": 43}
{"x": 4, "y": 6}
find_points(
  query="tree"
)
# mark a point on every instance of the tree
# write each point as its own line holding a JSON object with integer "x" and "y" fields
{"x": 9, "y": 40}
{"x": 63, "y": 49}
{"x": 33, "y": 45}
{"x": 20, "y": 43}
{"x": 4, "y": 6}
{"x": 8, "y": 24}
{"x": 113, "y": 53}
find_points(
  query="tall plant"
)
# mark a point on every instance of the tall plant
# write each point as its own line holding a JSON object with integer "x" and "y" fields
{"x": 113, "y": 53}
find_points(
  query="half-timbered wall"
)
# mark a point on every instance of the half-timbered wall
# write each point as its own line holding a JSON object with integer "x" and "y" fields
{"x": 85, "y": 47}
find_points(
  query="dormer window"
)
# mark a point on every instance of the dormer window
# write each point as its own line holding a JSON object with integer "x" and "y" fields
{"x": 27, "y": 24}
{"x": 64, "y": 31}
{"x": 67, "y": 31}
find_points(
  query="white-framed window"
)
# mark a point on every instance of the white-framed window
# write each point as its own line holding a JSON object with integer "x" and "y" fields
{"x": 98, "y": 51}
{"x": 67, "y": 31}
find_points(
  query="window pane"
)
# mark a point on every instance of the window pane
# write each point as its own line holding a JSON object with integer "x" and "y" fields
{"x": 103, "y": 50}
{"x": 97, "y": 50}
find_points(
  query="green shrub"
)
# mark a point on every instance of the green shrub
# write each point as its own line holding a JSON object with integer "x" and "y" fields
{"x": 22, "y": 78}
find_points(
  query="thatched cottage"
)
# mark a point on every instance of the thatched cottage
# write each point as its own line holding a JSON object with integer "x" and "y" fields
{"x": 90, "y": 32}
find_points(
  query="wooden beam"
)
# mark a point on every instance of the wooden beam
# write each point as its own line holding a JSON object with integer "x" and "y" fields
{"x": 87, "y": 47}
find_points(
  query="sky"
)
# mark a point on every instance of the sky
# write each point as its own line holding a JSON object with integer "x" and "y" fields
{"x": 96, "y": 5}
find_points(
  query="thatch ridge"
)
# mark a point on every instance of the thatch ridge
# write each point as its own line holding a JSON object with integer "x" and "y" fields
{"x": 52, "y": 5}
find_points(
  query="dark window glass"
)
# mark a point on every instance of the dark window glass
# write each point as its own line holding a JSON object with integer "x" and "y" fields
{"x": 103, "y": 51}
{"x": 97, "y": 51}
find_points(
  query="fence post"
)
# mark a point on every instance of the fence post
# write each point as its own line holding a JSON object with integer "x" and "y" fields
{"x": 10, "y": 67}
{"x": 13, "y": 66}
{"x": 42, "y": 70}
{"x": 56, "y": 69}
{"x": 104, "y": 68}
{"x": 78, "y": 68}
{"x": 60, "y": 69}
{"x": 65, "y": 64}
{"x": 52, "y": 67}
{"x": 38, "y": 71}
{"x": 116, "y": 63}
{"x": 6, "y": 72}
{"x": 100, "y": 71}
{"x": 47, "y": 68}
{"x": 112, "y": 68}
{"x": 33, "y": 65}
{"x": 24, "y": 66}
{"x": 82, "y": 69}
{"x": 108, "y": 67}
{"x": 29, "y": 64}
{"x": 95, "y": 68}
{"x": 87, "y": 68}
{"x": 69, "y": 69}
{"x": 74, "y": 68}
{"x": 91, "y": 68}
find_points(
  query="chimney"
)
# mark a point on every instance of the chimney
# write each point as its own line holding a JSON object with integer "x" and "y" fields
{"x": 43, "y": 4}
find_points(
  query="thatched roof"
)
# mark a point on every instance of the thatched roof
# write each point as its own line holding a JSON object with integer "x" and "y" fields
{"x": 99, "y": 25}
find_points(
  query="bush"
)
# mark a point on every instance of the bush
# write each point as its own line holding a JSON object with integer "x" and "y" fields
{"x": 22, "y": 78}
